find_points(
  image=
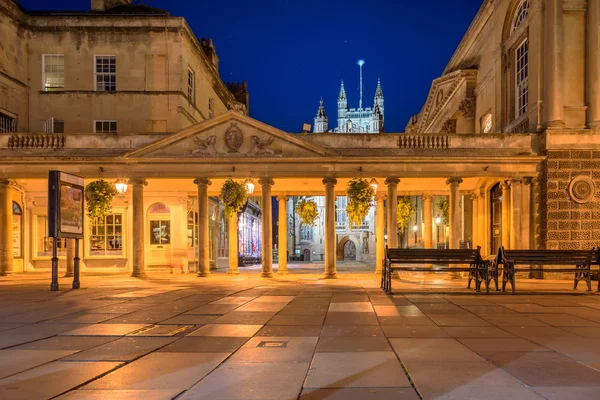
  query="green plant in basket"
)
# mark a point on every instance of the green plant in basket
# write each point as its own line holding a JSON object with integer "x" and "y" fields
{"x": 308, "y": 212}
{"x": 360, "y": 194}
{"x": 98, "y": 197}
{"x": 233, "y": 195}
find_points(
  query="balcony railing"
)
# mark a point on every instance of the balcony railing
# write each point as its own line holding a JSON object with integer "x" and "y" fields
{"x": 424, "y": 142}
{"x": 36, "y": 141}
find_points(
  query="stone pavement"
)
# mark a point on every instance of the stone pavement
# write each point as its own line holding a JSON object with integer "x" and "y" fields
{"x": 295, "y": 336}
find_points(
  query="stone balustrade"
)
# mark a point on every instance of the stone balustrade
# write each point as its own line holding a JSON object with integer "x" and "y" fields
{"x": 424, "y": 142}
{"x": 36, "y": 141}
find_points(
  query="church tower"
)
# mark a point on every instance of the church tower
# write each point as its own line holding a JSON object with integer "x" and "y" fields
{"x": 342, "y": 108}
{"x": 377, "y": 117}
{"x": 379, "y": 97}
{"x": 321, "y": 121}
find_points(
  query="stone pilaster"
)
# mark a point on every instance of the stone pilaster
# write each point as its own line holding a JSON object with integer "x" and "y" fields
{"x": 525, "y": 214}
{"x": 427, "y": 221}
{"x": 137, "y": 189}
{"x": 392, "y": 211}
{"x": 282, "y": 266}
{"x": 203, "y": 238}
{"x": 482, "y": 234}
{"x": 330, "y": 240}
{"x": 475, "y": 220}
{"x": 454, "y": 212}
{"x": 506, "y": 234}
{"x": 553, "y": 103}
{"x": 592, "y": 60}
{"x": 232, "y": 250}
{"x": 379, "y": 232}
{"x": 267, "y": 227}
{"x": 6, "y": 247}
{"x": 515, "y": 218}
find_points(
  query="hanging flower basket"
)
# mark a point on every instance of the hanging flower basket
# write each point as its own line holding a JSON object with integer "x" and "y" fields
{"x": 233, "y": 195}
{"x": 98, "y": 197}
{"x": 444, "y": 205}
{"x": 308, "y": 212}
{"x": 405, "y": 211}
{"x": 360, "y": 194}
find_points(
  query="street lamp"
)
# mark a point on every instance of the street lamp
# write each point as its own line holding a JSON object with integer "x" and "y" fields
{"x": 373, "y": 184}
{"x": 121, "y": 186}
{"x": 415, "y": 228}
{"x": 249, "y": 186}
{"x": 438, "y": 221}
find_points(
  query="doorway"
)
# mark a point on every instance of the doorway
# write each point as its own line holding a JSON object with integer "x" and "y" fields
{"x": 159, "y": 223}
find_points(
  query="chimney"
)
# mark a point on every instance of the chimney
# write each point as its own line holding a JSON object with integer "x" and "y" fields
{"x": 103, "y": 5}
{"x": 240, "y": 93}
{"x": 211, "y": 52}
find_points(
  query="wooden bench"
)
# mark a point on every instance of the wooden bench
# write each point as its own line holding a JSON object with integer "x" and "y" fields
{"x": 513, "y": 261}
{"x": 397, "y": 260}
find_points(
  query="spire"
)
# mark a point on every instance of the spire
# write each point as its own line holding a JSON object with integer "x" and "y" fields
{"x": 378, "y": 91}
{"x": 342, "y": 95}
{"x": 321, "y": 112}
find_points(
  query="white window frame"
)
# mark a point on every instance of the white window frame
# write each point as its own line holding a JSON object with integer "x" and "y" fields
{"x": 521, "y": 14}
{"x": 521, "y": 84}
{"x": 44, "y": 87}
{"x": 114, "y": 211}
{"x": 50, "y": 125}
{"x": 191, "y": 86}
{"x": 211, "y": 107}
{"x": 96, "y": 56}
{"x": 106, "y": 120}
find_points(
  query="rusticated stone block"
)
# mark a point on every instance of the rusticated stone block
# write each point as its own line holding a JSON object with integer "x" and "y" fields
{"x": 552, "y": 164}
{"x": 566, "y": 205}
{"x": 574, "y": 174}
{"x": 560, "y": 195}
{"x": 590, "y": 225}
{"x": 590, "y": 244}
{"x": 559, "y": 215}
{"x": 552, "y": 225}
{"x": 552, "y": 205}
{"x": 569, "y": 225}
{"x": 559, "y": 235}
{"x": 596, "y": 235}
{"x": 583, "y": 154}
{"x": 563, "y": 185}
{"x": 581, "y": 235}
{"x": 553, "y": 185}
{"x": 564, "y": 154}
{"x": 595, "y": 214}
{"x": 596, "y": 174}
{"x": 590, "y": 164}
{"x": 581, "y": 215}
{"x": 558, "y": 175}
{"x": 569, "y": 164}
{"x": 569, "y": 245}
{"x": 552, "y": 245}
{"x": 595, "y": 154}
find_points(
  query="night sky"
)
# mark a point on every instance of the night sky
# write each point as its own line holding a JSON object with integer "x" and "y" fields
{"x": 292, "y": 52}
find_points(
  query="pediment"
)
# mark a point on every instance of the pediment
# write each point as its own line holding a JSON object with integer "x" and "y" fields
{"x": 230, "y": 135}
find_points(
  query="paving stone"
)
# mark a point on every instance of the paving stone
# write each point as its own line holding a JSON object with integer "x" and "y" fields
{"x": 120, "y": 395}
{"x": 457, "y": 320}
{"x": 227, "y": 330}
{"x": 50, "y": 380}
{"x": 5, "y": 326}
{"x": 276, "y": 350}
{"x": 585, "y": 331}
{"x": 161, "y": 371}
{"x": 353, "y": 344}
{"x": 67, "y": 343}
{"x": 123, "y": 349}
{"x": 409, "y": 349}
{"x": 310, "y": 309}
{"x": 501, "y": 344}
{"x": 563, "y": 320}
{"x": 398, "y": 311}
{"x": 190, "y": 319}
{"x": 245, "y": 317}
{"x": 15, "y": 361}
{"x": 360, "y": 394}
{"x": 351, "y": 331}
{"x": 351, "y": 318}
{"x": 163, "y": 330}
{"x": 247, "y": 381}
{"x": 503, "y": 321}
{"x": 476, "y": 332}
{"x": 234, "y": 300}
{"x": 143, "y": 317}
{"x": 290, "y": 330}
{"x": 81, "y": 318}
{"x": 406, "y": 321}
{"x": 255, "y": 306}
{"x": 567, "y": 392}
{"x": 213, "y": 309}
{"x": 491, "y": 310}
{"x": 351, "y": 307}
{"x": 297, "y": 320}
{"x": 343, "y": 370}
{"x": 106, "y": 330}
{"x": 205, "y": 344}
{"x": 394, "y": 331}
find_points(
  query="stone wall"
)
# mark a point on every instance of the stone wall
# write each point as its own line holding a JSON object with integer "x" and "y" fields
{"x": 570, "y": 200}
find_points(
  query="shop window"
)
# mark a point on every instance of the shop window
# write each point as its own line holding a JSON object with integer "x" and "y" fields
{"x": 44, "y": 243}
{"x": 106, "y": 238}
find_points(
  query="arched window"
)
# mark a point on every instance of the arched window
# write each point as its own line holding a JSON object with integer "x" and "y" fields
{"x": 306, "y": 233}
{"x": 521, "y": 14}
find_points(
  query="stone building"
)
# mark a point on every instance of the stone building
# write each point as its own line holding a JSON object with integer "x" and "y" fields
{"x": 509, "y": 135}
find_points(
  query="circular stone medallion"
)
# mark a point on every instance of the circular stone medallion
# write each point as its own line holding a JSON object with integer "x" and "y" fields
{"x": 582, "y": 189}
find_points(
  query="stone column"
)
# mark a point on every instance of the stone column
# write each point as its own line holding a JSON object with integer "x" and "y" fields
{"x": 232, "y": 250}
{"x": 553, "y": 69}
{"x": 533, "y": 214}
{"x": 379, "y": 232}
{"x": 515, "y": 219}
{"x": 475, "y": 220}
{"x": 482, "y": 228}
{"x": 428, "y": 221}
{"x": 203, "y": 238}
{"x": 592, "y": 85}
{"x": 505, "y": 216}
{"x": 267, "y": 228}
{"x": 392, "y": 211}
{"x": 525, "y": 214}
{"x": 454, "y": 211}
{"x": 282, "y": 267}
{"x": 6, "y": 245}
{"x": 137, "y": 188}
{"x": 330, "y": 240}
{"x": 70, "y": 257}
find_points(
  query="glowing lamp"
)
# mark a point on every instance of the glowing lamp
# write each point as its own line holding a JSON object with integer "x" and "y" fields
{"x": 121, "y": 186}
{"x": 249, "y": 186}
{"x": 373, "y": 184}
{"x": 415, "y": 228}
{"x": 438, "y": 220}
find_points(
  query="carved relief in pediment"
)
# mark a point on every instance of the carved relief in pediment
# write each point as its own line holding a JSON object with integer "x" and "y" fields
{"x": 234, "y": 138}
{"x": 449, "y": 126}
{"x": 467, "y": 107}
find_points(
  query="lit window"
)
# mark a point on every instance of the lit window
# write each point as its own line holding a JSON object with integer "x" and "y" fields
{"x": 160, "y": 232}
{"x": 521, "y": 14}
{"x": 211, "y": 107}
{"x": 486, "y": 123}
{"x": 105, "y": 126}
{"x": 44, "y": 243}
{"x": 8, "y": 124}
{"x": 106, "y": 237}
{"x": 191, "y": 86}
{"x": 106, "y": 73}
{"x": 522, "y": 74}
{"x": 54, "y": 72}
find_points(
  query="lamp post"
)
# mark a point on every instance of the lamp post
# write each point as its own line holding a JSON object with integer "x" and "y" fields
{"x": 438, "y": 221}
{"x": 415, "y": 231}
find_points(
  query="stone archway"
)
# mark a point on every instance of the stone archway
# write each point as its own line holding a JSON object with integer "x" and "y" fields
{"x": 306, "y": 253}
{"x": 346, "y": 249}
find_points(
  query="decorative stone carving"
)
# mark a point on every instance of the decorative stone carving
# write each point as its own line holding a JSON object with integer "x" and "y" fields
{"x": 205, "y": 146}
{"x": 467, "y": 107}
{"x": 449, "y": 126}
{"x": 582, "y": 189}
{"x": 234, "y": 138}
{"x": 260, "y": 147}
{"x": 439, "y": 97}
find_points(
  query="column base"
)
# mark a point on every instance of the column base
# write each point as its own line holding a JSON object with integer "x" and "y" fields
{"x": 267, "y": 274}
{"x": 554, "y": 124}
{"x": 140, "y": 275}
{"x": 330, "y": 276}
{"x": 203, "y": 274}
{"x": 283, "y": 272}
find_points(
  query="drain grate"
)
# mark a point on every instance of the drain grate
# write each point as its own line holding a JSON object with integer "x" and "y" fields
{"x": 273, "y": 343}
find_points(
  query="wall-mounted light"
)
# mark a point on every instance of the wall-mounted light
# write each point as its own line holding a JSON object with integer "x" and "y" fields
{"x": 374, "y": 184}
{"x": 438, "y": 220}
{"x": 249, "y": 186}
{"x": 121, "y": 186}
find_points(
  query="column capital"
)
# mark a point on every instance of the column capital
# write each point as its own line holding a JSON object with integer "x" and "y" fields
{"x": 454, "y": 181}
{"x": 5, "y": 182}
{"x": 527, "y": 180}
{"x": 380, "y": 196}
{"x": 505, "y": 185}
{"x": 534, "y": 181}
{"x": 474, "y": 196}
{"x": 329, "y": 181}
{"x": 282, "y": 198}
{"x": 515, "y": 181}
{"x": 427, "y": 197}
{"x": 266, "y": 181}
{"x": 138, "y": 182}
{"x": 392, "y": 181}
{"x": 202, "y": 182}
